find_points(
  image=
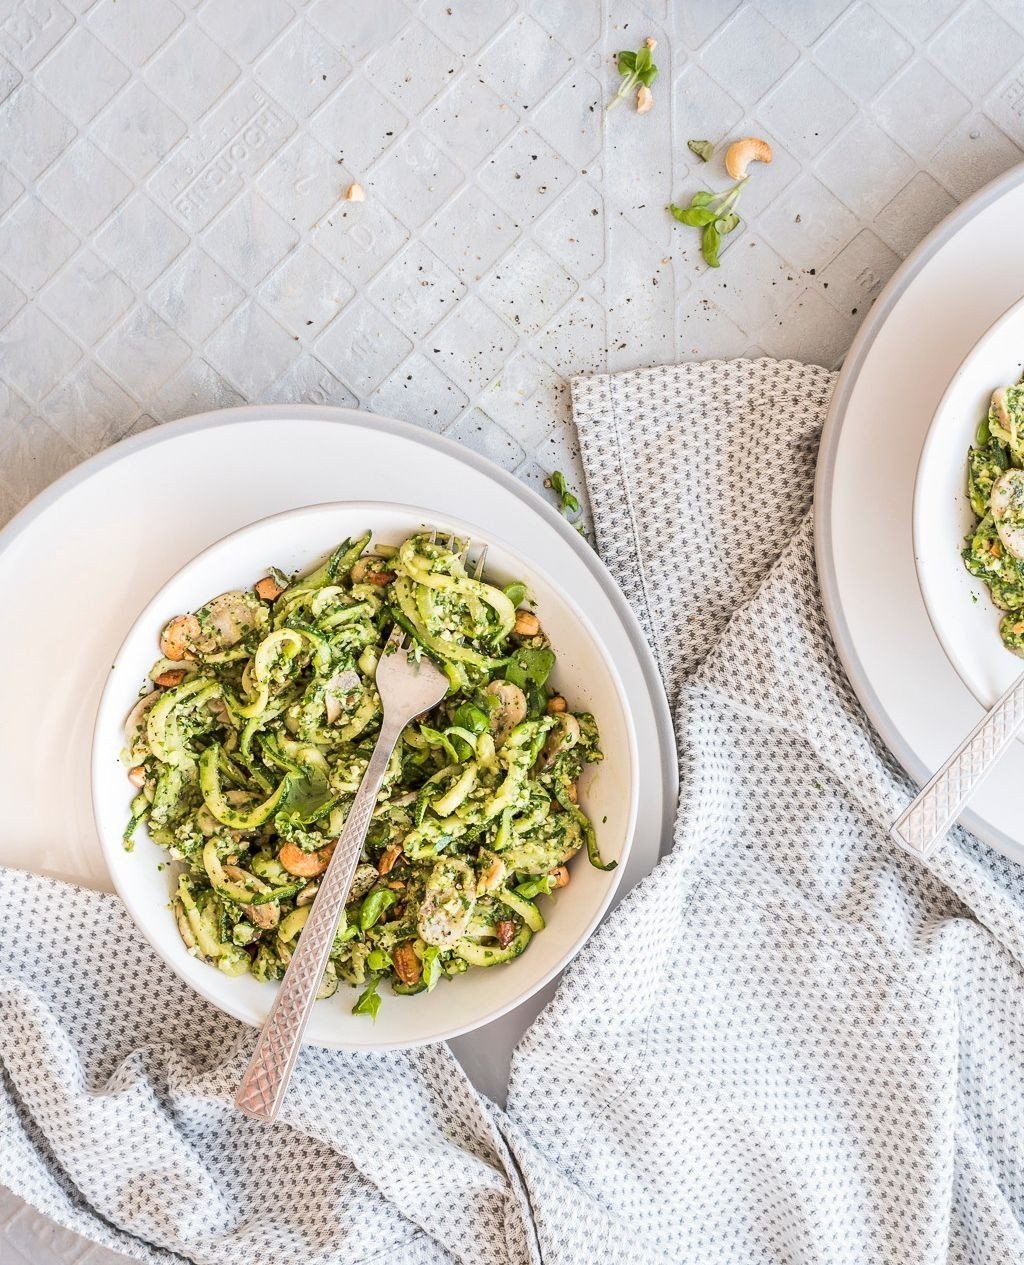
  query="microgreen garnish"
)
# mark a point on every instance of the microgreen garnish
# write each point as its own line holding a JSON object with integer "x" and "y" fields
{"x": 712, "y": 213}
{"x": 636, "y": 69}
{"x": 703, "y": 149}
{"x": 557, "y": 482}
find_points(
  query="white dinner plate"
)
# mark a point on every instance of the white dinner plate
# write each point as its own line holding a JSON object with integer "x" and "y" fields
{"x": 933, "y": 311}
{"x": 79, "y": 563}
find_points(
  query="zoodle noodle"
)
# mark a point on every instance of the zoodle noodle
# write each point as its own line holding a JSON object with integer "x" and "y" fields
{"x": 248, "y": 753}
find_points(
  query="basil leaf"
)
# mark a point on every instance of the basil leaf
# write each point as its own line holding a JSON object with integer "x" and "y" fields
{"x": 727, "y": 223}
{"x": 626, "y": 62}
{"x": 710, "y": 241}
{"x": 642, "y": 61}
{"x": 431, "y": 966}
{"x": 469, "y": 716}
{"x": 703, "y": 149}
{"x": 515, "y": 592}
{"x": 529, "y": 666}
{"x": 696, "y": 217}
{"x": 374, "y": 905}
{"x": 369, "y": 1001}
{"x": 532, "y": 887}
{"x": 704, "y": 198}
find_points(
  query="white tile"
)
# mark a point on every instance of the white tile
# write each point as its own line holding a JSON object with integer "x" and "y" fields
{"x": 360, "y": 237}
{"x": 249, "y": 239}
{"x": 304, "y": 182}
{"x": 32, "y": 131}
{"x": 524, "y": 62}
{"x": 196, "y": 295}
{"x": 196, "y": 388}
{"x": 974, "y": 153}
{"x": 89, "y": 409}
{"x": 11, "y": 300}
{"x": 362, "y": 346}
{"x": 748, "y": 55}
{"x": 83, "y": 187}
{"x": 702, "y": 109}
{"x": 808, "y": 223}
{"x": 522, "y": 400}
{"x": 138, "y": 129}
{"x": 31, "y": 28}
{"x": 82, "y": 75}
{"x": 480, "y": 432}
{"x": 192, "y": 71}
{"x": 472, "y": 345}
{"x": 862, "y": 52}
{"x": 527, "y": 288}
{"x": 417, "y": 290}
{"x": 470, "y": 119}
{"x": 806, "y": 111}
{"x": 570, "y": 119}
{"x": 470, "y": 233}
{"x": 360, "y": 29}
{"x": 913, "y": 213}
{"x": 34, "y": 243}
{"x": 302, "y": 68}
{"x": 357, "y": 125}
{"x": 854, "y": 278}
{"x": 414, "y": 180}
{"x": 244, "y": 28}
{"x": 308, "y": 381}
{"x": 141, "y": 241}
{"x": 142, "y": 352}
{"x": 977, "y": 48}
{"x": 414, "y": 67}
{"x": 87, "y": 297}
{"x": 251, "y": 350}
{"x": 573, "y": 230}
{"x": 525, "y": 175}
{"x": 465, "y": 27}
{"x": 34, "y": 354}
{"x": 920, "y": 108}
{"x": 135, "y": 29}
{"x": 865, "y": 148}
{"x": 305, "y": 293}
{"x": 417, "y": 391}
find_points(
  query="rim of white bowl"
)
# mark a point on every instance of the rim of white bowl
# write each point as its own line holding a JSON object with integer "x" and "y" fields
{"x": 922, "y": 479}
{"x": 111, "y": 847}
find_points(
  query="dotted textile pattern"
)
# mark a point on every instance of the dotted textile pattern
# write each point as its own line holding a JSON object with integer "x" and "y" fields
{"x": 792, "y": 1042}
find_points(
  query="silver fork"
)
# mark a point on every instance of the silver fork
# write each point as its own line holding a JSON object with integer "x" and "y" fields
{"x": 406, "y": 687}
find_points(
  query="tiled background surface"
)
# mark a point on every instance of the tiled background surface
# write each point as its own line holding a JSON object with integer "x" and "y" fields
{"x": 173, "y": 235}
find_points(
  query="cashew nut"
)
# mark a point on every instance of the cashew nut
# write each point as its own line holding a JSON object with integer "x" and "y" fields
{"x": 355, "y": 193}
{"x": 644, "y": 99}
{"x": 741, "y": 154}
{"x": 527, "y": 624}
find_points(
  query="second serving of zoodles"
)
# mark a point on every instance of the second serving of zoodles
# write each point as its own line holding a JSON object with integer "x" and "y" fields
{"x": 994, "y": 551}
{"x": 249, "y": 750}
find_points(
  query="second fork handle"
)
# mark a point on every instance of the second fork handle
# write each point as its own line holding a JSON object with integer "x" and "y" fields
{"x": 922, "y": 827}
{"x": 263, "y": 1086}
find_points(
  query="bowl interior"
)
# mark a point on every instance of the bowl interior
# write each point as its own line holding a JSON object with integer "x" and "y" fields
{"x": 962, "y": 613}
{"x": 296, "y": 540}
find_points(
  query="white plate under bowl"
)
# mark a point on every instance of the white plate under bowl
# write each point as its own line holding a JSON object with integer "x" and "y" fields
{"x": 962, "y": 613}
{"x": 931, "y": 314}
{"x": 297, "y": 540}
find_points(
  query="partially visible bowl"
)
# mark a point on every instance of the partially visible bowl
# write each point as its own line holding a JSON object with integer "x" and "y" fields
{"x": 296, "y": 540}
{"x": 964, "y": 617}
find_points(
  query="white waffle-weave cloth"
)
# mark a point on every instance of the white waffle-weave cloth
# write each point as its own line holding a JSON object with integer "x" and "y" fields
{"x": 791, "y": 1043}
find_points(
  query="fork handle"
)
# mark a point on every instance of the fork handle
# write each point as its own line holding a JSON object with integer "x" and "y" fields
{"x": 263, "y": 1086}
{"x": 922, "y": 827}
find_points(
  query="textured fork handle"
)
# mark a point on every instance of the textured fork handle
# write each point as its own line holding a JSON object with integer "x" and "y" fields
{"x": 263, "y": 1086}
{"x": 936, "y": 807}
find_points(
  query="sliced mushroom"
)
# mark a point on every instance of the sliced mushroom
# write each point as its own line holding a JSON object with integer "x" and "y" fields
{"x": 511, "y": 709}
{"x": 1001, "y": 408}
{"x": 505, "y": 931}
{"x": 267, "y": 916}
{"x": 493, "y": 873}
{"x": 135, "y": 728}
{"x": 307, "y": 895}
{"x": 1007, "y": 501}
{"x": 178, "y": 639}
{"x": 305, "y": 864}
{"x": 564, "y": 735}
{"x": 227, "y": 618}
{"x": 447, "y": 903}
{"x": 337, "y": 687}
{"x": 365, "y": 877}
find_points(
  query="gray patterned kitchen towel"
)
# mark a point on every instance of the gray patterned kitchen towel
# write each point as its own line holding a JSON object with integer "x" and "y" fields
{"x": 791, "y": 1043}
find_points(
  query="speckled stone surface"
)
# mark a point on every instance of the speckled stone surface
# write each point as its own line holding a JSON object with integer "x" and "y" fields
{"x": 174, "y": 235}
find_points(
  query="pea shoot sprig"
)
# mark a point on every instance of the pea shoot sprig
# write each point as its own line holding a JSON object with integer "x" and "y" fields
{"x": 570, "y": 502}
{"x": 638, "y": 71}
{"x": 711, "y": 212}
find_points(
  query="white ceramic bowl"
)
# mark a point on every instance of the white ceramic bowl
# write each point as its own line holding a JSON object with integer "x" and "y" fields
{"x": 296, "y": 540}
{"x": 965, "y": 619}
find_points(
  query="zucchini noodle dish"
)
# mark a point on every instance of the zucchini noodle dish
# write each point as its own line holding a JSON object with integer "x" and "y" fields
{"x": 994, "y": 551}
{"x": 248, "y": 746}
